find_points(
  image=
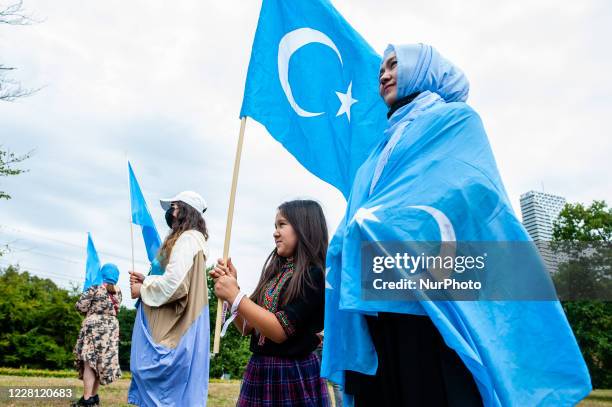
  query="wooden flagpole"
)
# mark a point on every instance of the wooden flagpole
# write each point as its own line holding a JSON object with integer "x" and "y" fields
{"x": 130, "y": 218}
{"x": 228, "y": 231}
{"x": 132, "y": 239}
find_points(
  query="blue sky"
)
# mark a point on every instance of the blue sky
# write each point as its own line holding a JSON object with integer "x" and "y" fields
{"x": 161, "y": 83}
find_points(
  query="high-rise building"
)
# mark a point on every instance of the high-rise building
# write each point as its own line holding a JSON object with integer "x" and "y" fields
{"x": 539, "y": 210}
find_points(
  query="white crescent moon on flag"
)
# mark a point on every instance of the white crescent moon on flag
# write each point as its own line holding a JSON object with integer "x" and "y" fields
{"x": 447, "y": 232}
{"x": 291, "y": 42}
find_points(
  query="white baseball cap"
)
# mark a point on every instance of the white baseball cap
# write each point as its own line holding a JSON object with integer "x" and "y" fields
{"x": 191, "y": 198}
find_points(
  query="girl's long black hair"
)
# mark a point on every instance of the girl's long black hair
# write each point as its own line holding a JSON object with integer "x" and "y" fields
{"x": 308, "y": 221}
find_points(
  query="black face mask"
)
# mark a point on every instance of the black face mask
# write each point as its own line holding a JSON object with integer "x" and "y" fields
{"x": 169, "y": 217}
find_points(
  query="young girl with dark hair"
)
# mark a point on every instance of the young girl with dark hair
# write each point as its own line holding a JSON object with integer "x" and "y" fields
{"x": 285, "y": 312}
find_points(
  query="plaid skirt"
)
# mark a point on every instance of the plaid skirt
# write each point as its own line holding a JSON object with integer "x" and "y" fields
{"x": 271, "y": 381}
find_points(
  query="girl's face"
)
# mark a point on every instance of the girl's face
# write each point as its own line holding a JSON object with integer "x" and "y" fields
{"x": 387, "y": 79}
{"x": 284, "y": 236}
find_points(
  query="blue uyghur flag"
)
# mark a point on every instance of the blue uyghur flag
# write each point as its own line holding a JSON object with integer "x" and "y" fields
{"x": 141, "y": 216}
{"x": 92, "y": 268}
{"x": 312, "y": 82}
{"x": 433, "y": 177}
{"x": 164, "y": 376}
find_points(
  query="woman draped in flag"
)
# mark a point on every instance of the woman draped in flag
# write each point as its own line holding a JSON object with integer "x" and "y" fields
{"x": 433, "y": 177}
{"x": 97, "y": 349}
{"x": 170, "y": 341}
{"x": 285, "y": 313}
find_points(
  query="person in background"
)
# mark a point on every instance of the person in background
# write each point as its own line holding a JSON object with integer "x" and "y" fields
{"x": 97, "y": 349}
{"x": 170, "y": 342}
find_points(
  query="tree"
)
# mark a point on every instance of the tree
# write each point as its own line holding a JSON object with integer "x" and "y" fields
{"x": 7, "y": 166}
{"x": 234, "y": 352}
{"x": 11, "y": 89}
{"x": 588, "y": 269}
{"x": 577, "y": 223}
{"x": 32, "y": 335}
{"x": 38, "y": 323}
{"x": 126, "y": 319}
{"x": 13, "y": 14}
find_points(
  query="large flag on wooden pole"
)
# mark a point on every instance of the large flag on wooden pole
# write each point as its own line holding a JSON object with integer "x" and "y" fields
{"x": 323, "y": 113}
{"x": 312, "y": 82}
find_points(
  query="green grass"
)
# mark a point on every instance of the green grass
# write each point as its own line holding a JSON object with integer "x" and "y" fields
{"x": 598, "y": 398}
{"x": 68, "y": 373}
{"x": 222, "y": 393}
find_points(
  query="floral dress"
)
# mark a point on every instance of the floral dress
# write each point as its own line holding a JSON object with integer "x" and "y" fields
{"x": 98, "y": 342}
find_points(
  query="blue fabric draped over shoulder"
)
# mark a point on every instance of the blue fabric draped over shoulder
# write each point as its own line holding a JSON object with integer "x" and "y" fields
{"x": 163, "y": 376}
{"x": 435, "y": 161}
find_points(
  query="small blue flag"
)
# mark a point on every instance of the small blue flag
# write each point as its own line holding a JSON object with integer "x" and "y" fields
{"x": 92, "y": 268}
{"x": 312, "y": 82}
{"x": 141, "y": 216}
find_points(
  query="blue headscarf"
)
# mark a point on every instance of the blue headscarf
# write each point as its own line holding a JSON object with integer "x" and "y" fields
{"x": 421, "y": 68}
{"x": 110, "y": 273}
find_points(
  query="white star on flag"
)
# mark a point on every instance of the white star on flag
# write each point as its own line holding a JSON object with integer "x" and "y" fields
{"x": 366, "y": 214}
{"x": 346, "y": 100}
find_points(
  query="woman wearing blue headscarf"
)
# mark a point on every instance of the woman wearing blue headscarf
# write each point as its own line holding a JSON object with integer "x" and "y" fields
{"x": 415, "y": 367}
{"x": 97, "y": 349}
{"x": 433, "y": 177}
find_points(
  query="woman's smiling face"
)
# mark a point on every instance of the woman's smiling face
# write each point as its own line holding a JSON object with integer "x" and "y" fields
{"x": 387, "y": 79}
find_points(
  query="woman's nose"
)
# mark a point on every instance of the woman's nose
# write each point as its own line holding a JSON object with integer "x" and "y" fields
{"x": 384, "y": 78}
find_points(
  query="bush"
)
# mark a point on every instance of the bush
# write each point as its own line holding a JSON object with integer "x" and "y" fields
{"x": 38, "y": 323}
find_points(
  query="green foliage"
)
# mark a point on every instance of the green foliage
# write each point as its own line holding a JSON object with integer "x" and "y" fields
{"x": 39, "y": 328}
{"x": 234, "y": 351}
{"x": 577, "y": 223}
{"x": 7, "y": 166}
{"x": 126, "y": 319}
{"x": 585, "y": 274}
{"x": 38, "y": 323}
{"x": 591, "y": 321}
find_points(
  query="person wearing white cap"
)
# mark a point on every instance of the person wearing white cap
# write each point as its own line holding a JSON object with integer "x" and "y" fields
{"x": 170, "y": 341}
{"x": 191, "y": 198}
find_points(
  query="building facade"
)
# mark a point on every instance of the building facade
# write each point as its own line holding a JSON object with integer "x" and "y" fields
{"x": 539, "y": 210}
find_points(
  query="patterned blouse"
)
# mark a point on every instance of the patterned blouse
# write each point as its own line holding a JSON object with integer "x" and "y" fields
{"x": 301, "y": 318}
{"x": 272, "y": 295}
{"x": 96, "y": 300}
